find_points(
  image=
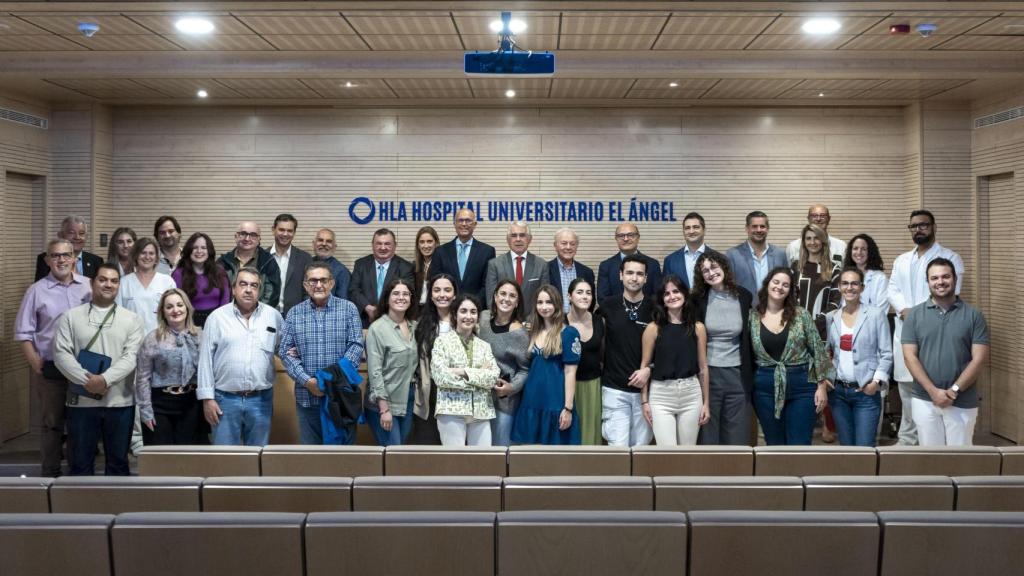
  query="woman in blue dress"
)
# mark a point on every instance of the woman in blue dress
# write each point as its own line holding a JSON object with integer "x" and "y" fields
{"x": 547, "y": 414}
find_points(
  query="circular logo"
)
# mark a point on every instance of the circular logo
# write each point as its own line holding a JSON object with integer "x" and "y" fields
{"x": 371, "y": 210}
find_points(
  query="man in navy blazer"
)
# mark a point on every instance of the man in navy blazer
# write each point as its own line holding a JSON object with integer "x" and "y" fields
{"x": 74, "y": 230}
{"x": 364, "y": 290}
{"x": 752, "y": 260}
{"x": 471, "y": 277}
{"x": 682, "y": 261}
{"x": 564, "y": 268}
{"x": 627, "y": 236}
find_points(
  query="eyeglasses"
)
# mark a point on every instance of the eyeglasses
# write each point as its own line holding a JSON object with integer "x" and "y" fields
{"x": 244, "y": 234}
{"x": 626, "y": 235}
{"x": 318, "y": 281}
{"x": 62, "y": 256}
{"x": 919, "y": 226}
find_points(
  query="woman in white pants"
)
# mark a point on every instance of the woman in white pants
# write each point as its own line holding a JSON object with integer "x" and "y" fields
{"x": 675, "y": 402}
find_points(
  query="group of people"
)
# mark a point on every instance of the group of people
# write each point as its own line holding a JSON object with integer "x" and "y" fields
{"x": 467, "y": 346}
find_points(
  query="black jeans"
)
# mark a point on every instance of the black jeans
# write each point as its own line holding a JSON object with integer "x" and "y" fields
{"x": 177, "y": 419}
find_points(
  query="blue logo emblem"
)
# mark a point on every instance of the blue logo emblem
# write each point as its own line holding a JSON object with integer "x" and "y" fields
{"x": 364, "y": 201}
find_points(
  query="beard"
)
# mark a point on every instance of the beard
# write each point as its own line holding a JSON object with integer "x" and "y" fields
{"x": 922, "y": 240}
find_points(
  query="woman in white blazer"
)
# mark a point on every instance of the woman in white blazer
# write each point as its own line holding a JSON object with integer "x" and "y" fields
{"x": 861, "y": 345}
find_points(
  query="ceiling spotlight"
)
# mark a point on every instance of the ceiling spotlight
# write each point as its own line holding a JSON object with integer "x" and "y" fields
{"x": 821, "y": 94}
{"x": 821, "y": 26}
{"x": 350, "y": 85}
{"x": 514, "y": 26}
{"x": 202, "y": 93}
{"x": 673, "y": 84}
{"x": 194, "y": 26}
{"x": 510, "y": 93}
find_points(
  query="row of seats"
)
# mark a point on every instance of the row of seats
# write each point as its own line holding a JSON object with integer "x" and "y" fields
{"x": 738, "y": 543}
{"x": 99, "y": 495}
{"x": 357, "y": 461}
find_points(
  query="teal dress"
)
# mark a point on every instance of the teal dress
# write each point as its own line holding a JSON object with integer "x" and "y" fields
{"x": 544, "y": 396}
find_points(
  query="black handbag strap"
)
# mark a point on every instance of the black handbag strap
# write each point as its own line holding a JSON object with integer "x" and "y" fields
{"x": 102, "y": 324}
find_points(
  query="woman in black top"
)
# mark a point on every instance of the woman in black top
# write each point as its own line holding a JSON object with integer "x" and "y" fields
{"x": 588, "y": 371}
{"x": 675, "y": 402}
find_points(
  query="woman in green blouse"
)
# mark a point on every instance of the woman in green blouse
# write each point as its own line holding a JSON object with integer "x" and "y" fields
{"x": 793, "y": 368}
{"x": 391, "y": 360}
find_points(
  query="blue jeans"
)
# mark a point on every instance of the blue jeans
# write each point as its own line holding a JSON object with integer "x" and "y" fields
{"x": 245, "y": 420}
{"x": 310, "y": 429}
{"x": 856, "y": 415}
{"x": 87, "y": 426}
{"x": 501, "y": 428}
{"x": 401, "y": 426}
{"x": 796, "y": 424}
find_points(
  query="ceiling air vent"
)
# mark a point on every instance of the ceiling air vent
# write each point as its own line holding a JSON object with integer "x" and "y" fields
{"x": 22, "y": 118}
{"x": 999, "y": 117}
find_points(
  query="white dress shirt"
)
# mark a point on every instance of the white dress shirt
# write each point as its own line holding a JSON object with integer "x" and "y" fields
{"x": 282, "y": 265}
{"x": 236, "y": 354}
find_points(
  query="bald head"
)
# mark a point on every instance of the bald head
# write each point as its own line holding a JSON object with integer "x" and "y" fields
{"x": 465, "y": 224}
{"x": 818, "y": 215}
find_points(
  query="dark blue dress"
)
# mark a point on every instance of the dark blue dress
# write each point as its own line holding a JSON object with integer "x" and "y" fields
{"x": 544, "y": 396}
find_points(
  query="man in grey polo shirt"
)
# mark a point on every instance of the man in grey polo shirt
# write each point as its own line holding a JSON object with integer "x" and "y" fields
{"x": 945, "y": 345}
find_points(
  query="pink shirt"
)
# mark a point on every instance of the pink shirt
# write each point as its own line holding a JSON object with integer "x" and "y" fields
{"x": 42, "y": 305}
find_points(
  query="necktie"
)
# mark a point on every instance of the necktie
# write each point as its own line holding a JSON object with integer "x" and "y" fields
{"x": 463, "y": 257}
{"x": 519, "y": 270}
{"x": 380, "y": 279}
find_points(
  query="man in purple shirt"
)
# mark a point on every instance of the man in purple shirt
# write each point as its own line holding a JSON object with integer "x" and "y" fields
{"x": 34, "y": 327}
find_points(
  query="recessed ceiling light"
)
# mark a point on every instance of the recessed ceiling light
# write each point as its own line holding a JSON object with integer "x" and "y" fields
{"x": 510, "y": 93}
{"x": 193, "y": 25}
{"x": 350, "y": 85}
{"x": 514, "y": 26}
{"x": 821, "y": 94}
{"x": 202, "y": 93}
{"x": 673, "y": 84}
{"x": 821, "y": 26}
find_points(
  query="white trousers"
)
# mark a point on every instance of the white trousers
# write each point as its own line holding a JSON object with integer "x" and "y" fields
{"x": 908, "y": 428}
{"x": 950, "y": 426}
{"x": 675, "y": 411}
{"x": 622, "y": 419}
{"x": 463, "y": 431}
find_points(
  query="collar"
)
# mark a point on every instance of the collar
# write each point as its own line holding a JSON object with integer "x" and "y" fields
{"x": 513, "y": 255}
{"x": 385, "y": 264}
{"x": 330, "y": 302}
{"x": 255, "y": 311}
{"x": 930, "y": 303}
{"x": 570, "y": 266}
{"x": 622, "y": 255}
{"x": 287, "y": 253}
{"x": 686, "y": 249}
{"x": 467, "y": 243}
{"x": 76, "y": 278}
{"x": 750, "y": 246}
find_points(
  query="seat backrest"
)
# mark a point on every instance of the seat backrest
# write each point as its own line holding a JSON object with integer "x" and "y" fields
{"x": 951, "y": 543}
{"x": 569, "y": 461}
{"x": 693, "y": 460}
{"x": 277, "y": 494}
{"x": 400, "y": 543}
{"x": 201, "y": 461}
{"x": 686, "y": 493}
{"x": 874, "y": 493}
{"x": 578, "y": 493}
{"x": 446, "y": 461}
{"x": 815, "y": 461}
{"x": 426, "y": 493}
{"x": 45, "y": 544}
{"x": 989, "y": 493}
{"x": 940, "y": 460}
{"x": 591, "y": 543}
{"x": 346, "y": 461}
{"x": 24, "y": 495}
{"x": 117, "y": 494}
{"x": 1013, "y": 460}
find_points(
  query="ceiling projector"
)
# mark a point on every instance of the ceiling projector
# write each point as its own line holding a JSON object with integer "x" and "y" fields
{"x": 509, "y": 59}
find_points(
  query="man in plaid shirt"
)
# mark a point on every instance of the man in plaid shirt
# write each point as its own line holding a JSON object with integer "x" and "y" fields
{"x": 321, "y": 330}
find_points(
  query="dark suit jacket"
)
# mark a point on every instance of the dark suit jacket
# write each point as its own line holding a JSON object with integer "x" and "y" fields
{"x": 535, "y": 275}
{"x": 90, "y": 262}
{"x": 362, "y": 289}
{"x": 555, "y": 274}
{"x": 609, "y": 284}
{"x": 743, "y": 270}
{"x": 446, "y": 260}
{"x": 293, "y": 278}
{"x": 675, "y": 263}
{"x": 748, "y": 364}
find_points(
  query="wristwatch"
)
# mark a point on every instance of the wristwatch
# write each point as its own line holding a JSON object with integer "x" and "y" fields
{"x": 955, "y": 388}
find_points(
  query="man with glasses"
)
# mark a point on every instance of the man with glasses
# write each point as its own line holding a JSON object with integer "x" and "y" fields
{"x": 74, "y": 230}
{"x": 518, "y": 265}
{"x": 818, "y": 215}
{"x": 627, "y": 236}
{"x": 372, "y": 272}
{"x": 323, "y": 251}
{"x": 465, "y": 258}
{"x": 322, "y": 329}
{"x": 249, "y": 254}
{"x": 908, "y": 287}
{"x": 34, "y": 327}
{"x": 167, "y": 232}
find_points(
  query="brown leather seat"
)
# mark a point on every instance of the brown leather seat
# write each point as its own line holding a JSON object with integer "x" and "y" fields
{"x": 758, "y": 543}
{"x": 693, "y": 460}
{"x": 55, "y": 544}
{"x": 177, "y": 543}
{"x": 346, "y": 461}
{"x": 24, "y": 495}
{"x": 578, "y": 493}
{"x": 446, "y": 461}
{"x": 939, "y": 460}
{"x": 874, "y": 493}
{"x": 569, "y": 461}
{"x": 815, "y": 461}
{"x": 990, "y": 493}
{"x": 592, "y": 543}
{"x": 686, "y": 493}
{"x": 427, "y": 493}
{"x": 201, "y": 461}
{"x": 1013, "y": 460}
{"x": 277, "y": 494}
{"x": 117, "y": 494}
{"x": 951, "y": 543}
{"x": 400, "y": 543}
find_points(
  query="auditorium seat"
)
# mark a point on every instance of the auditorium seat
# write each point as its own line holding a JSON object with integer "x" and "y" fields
{"x": 409, "y": 543}
{"x": 404, "y": 493}
{"x": 569, "y": 461}
{"x": 180, "y": 543}
{"x": 24, "y": 495}
{"x": 951, "y": 543}
{"x": 277, "y": 494}
{"x": 939, "y": 460}
{"x": 693, "y": 461}
{"x": 1013, "y": 460}
{"x": 815, "y": 460}
{"x": 55, "y": 544}
{"x": 117, "y": 494}
{"x": 345, "y": 461}
{"x": 990, "y": 493}
{"x": 759, "y": 543}
{"x": 686, "y": 493}
{"x": 874, "y": 493}
{"x": 578, "y": 493}
{"x": 611, "y": 543}
{"x": 199, "y": 461}
{"x": 446, "y": 461}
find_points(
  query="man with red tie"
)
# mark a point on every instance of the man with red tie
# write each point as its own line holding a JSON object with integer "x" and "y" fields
{"x": 527, "y": 269}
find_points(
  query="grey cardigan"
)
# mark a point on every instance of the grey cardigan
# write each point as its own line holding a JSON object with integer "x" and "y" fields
{"x": 511, "y": 352}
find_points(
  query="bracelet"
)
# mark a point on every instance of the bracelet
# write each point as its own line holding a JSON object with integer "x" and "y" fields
{"x": 644, "y": 402}
{"x": 385, "y": 411}
{"x": 566, "y": 408}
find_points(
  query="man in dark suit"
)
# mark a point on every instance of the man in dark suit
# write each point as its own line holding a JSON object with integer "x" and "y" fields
{"x": 74, "y": 230}
{"x": 564, "y": 268}
{"x": 518, "y": 264}
{"x": 291, "y": 261}
{"x": 372, "y": 273}
{"x": 627, "y": 236}
{"x": 682, "y": 261}
{"x": 465, "y": 258}
{"x": 752, "y": 260}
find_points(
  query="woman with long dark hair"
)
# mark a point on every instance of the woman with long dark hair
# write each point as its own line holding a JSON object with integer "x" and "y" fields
{"x": 588, "y": 372}
{"x": 435, "y": 319}
{"x": 426, "y": 242}
{"x": 120, "y": 250}
{"x": 502, "y": 327}
{"x": 391, "y": 362}
{"x": 202, "y": 279}
{"x": 862, "y": 253}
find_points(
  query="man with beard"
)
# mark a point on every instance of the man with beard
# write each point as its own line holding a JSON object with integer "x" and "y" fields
{"x": 323, "y": 251}
{"x": 751, "y": 260}
{"x": 167, "y": 232}
{"x": 908, "y": 287}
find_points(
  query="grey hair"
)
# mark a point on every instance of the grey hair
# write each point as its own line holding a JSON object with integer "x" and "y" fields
{"x": 567, "y": 230}
{"x": 53, "y": 242}
{"x": 248, "y": 270}
{"x": 72, "y": 220}
{"x": 520, "y": 224}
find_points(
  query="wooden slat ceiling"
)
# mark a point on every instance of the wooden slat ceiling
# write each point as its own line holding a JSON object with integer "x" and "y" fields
{"x": 599, "y": 29}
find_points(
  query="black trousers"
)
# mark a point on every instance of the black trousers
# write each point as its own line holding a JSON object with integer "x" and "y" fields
{"x": 178, "y": 419}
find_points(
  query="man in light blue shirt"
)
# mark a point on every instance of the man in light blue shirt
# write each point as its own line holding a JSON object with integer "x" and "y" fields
{"x": 752, "y": 260}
